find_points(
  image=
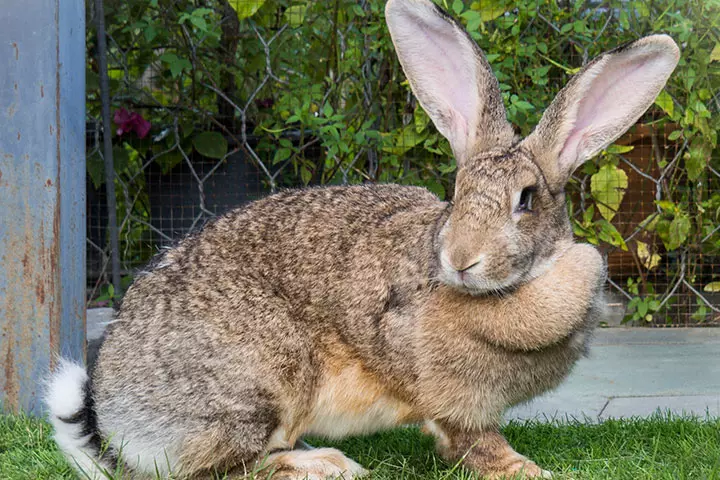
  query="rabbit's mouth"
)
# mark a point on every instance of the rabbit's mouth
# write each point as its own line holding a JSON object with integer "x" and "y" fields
{"x": 474, "y": 280}
{"x": 477, "y": 287}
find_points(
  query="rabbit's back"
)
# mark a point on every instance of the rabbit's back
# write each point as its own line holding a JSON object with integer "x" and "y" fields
{"x": 315, "y": 247}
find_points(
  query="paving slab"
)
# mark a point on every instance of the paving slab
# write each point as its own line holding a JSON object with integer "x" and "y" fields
{"x": 97, "y": 321}
{"x": 561, "y": 406}
{"x": 697, "y": 405}
{"x": 635, "y": 372}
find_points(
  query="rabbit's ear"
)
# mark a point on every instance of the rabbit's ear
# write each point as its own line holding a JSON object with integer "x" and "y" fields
{"x": 450, "y": 77}
{"x": 601, "y": 103}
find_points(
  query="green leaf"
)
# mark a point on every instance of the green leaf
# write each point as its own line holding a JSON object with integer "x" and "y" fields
{"x": 446, "y": 168}
{"x": 176, "y": 64}
{"x": 665, "y": 101}
{"x": 211, "y": 145}
{"x": 246, "y": 8}
{"x": 662, "y": 227}
{"x": 608, "y": 188}
{"x": 650, "y": 222}
{"x": 523, "y": 105}
{"x": 642, "y": 308}
{"x": 678, "y": 232}
{"x": 675, "y": 135}
{"x": 642, "y": 9}
{"x": 690, "y": 77}
{"x": 281, "y": 154}
{"x": 169, "y": 160}
{"x": 305, "y": 174}
{"x": 666, "y": 206}
{"x": 609, "y": 234}
{"x": 624, "y": 22}
{"x": 696, "y": 160}
{"x": 458, "y": 6}
{"x": 489, "y": 9}
{"x": 357, "y": 9}
{"x": 589, "y": 168}
{"x": 473, "y": 19}
{"x": 421, "y": 119}
{"x": 199, "y": 22}
{"x": 588, "y": 215}
{"x": 96, "y": 169}
{"x": 712, "y": 287}
{"x": 92, "y": 80}
{"x": 121, "y": 158}
{"x": 436, "y": 188}
{"x": 715, "y": 54}
{"x": 619, "y": 149}
{"x": 150, "y": 32}
{"x": 295, "y": 15}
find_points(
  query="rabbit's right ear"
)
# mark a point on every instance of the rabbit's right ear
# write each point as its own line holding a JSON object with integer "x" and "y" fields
{"x": 450, "y": 77}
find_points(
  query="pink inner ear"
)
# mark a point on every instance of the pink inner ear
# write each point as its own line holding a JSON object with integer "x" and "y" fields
{"x": 616, "y": 98}
{"x": 442, "y": 67}
{"x": 450, "y": 72}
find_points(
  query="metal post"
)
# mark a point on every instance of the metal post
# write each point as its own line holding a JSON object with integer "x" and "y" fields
{"x": 42, "y": 194}
{"x": 107, "y": 147}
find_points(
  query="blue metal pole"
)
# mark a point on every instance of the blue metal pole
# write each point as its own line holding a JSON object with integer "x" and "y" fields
{"x": 42, "y": 194}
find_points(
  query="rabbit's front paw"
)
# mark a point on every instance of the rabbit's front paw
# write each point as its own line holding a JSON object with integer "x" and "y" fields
{"x": 587, "y": 263}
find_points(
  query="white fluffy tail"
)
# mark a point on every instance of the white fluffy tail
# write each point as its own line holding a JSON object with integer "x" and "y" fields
{"x": 69, "y": 400}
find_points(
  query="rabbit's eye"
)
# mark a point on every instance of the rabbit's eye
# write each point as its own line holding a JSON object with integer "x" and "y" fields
{"x": 526, "y": 200}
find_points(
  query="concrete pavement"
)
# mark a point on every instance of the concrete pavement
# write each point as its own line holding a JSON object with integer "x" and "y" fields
{"x": 636, "y": 371}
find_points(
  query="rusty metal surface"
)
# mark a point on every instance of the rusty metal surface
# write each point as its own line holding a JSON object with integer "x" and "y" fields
{"x": 42, "y": 194}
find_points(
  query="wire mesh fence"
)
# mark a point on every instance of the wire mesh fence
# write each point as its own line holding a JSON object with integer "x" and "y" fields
{"x": 219, "y": 102}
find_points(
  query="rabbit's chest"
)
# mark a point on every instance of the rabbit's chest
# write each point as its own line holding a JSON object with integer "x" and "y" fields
{"x": 351, "y": 402}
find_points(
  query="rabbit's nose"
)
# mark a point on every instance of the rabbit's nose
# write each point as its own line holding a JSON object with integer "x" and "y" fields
{"x": 462, "y": 265}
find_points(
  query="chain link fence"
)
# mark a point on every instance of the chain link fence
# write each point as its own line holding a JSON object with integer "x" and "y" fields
{"x": 219, "y": 102}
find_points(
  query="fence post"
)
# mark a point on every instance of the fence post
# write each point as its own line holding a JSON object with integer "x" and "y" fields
{"x": 42, "y": 194}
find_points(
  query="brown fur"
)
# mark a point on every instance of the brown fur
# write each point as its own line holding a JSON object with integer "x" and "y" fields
{"x": 345, "y": 310}
{"x": 318, "y": 302}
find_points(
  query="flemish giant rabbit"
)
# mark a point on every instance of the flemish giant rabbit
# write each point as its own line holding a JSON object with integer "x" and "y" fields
{"x": 345, "y": 310}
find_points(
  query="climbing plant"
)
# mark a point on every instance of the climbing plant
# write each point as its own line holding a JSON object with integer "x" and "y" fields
{"x": 311, "y": 92}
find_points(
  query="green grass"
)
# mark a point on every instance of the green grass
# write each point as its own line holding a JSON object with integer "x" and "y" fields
{"x": 27, "y": 452}
{"x": 657, "y": 448}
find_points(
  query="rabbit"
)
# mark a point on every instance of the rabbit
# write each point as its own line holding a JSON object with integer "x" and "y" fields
{"x": 345, "y": 310}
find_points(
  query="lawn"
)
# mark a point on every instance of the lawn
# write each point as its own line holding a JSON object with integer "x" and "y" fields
{"x": 658, "y": 448}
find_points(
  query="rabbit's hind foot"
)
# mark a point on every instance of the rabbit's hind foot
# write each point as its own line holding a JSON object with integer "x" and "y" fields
{"x": 310, "y": 464}
{"x": 520, "y": 469}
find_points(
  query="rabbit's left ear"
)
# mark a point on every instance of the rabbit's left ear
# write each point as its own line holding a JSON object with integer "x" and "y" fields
{"x": 450, "y": 77}
{"x": 599, "y": 104}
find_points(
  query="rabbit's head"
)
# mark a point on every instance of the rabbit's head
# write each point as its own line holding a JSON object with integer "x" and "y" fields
{"x": 508, "y": 219}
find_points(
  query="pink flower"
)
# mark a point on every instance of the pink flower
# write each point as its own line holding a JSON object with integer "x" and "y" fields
{"x": 265, "y": 102}
{"x": 131, "y": 122}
